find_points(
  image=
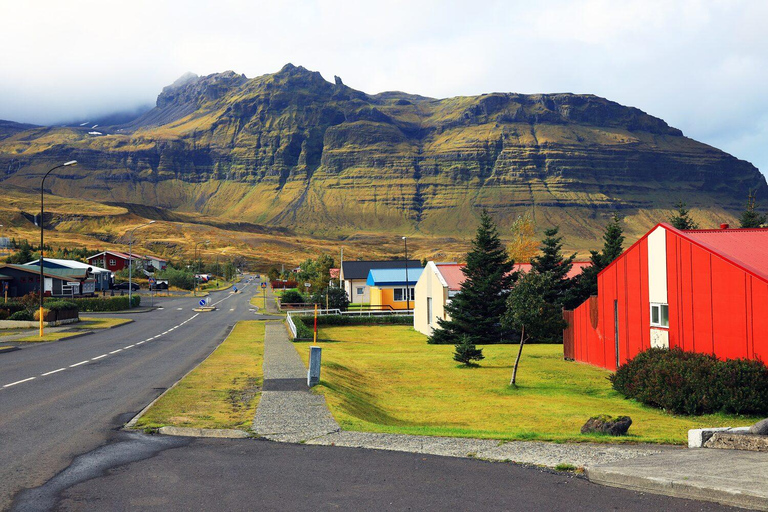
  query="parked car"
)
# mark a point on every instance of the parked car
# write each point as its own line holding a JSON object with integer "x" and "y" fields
{"x": 160, "y": 285}
{"x": 124, "y": 286}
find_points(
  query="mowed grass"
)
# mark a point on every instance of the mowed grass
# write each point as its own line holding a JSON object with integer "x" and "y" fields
{"x": 388, "y": 379}
{"x": 48, "y": 336}
{"x": 222, "y": 392}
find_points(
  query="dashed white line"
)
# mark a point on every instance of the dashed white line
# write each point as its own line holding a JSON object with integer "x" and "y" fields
{"x": 78, "y": 364}
{"x": 99, "y": 357}
{"x": 116, "y": 351}
{"x": 129, "y": 346}
{"x": 141, "y": 342}
{"x": 51, "y": 373}
{"x": 18, "y": 382}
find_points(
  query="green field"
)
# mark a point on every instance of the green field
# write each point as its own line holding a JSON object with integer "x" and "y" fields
{"x": 388, "y": 379}
{"x": 222, "y": 392}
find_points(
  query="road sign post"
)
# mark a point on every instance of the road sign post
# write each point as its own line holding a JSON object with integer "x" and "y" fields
{"x": 264, "y": 290}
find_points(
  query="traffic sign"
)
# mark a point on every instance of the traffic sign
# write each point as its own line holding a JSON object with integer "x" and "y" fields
{"x": 235, "y": 287}
{"x": 202, "y": 302}
{"x": 152, "y": 280}
{"x": 263, "y": 285}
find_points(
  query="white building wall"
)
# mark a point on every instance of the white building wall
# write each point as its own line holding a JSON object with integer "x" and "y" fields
{"x": 430, "y": 285}
{"x": 657, "y": 266}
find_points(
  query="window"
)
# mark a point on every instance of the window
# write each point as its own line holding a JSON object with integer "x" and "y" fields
{"x": 360, "y": 290}
{"x": 429, "y": 310}
{"x": 660, "y": 315}
{"x": 112, "y": 262}
{"x": 399, "y": 295}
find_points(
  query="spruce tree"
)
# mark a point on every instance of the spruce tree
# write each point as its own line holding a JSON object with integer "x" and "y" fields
{"x": 476, "y": 309}
{"x": 585, "y": 284}
{"x": 750, "y": 218}
{"x": 681, "y": 219}
{"x": 466, "y": 352}
{"x": 552, "y": 262}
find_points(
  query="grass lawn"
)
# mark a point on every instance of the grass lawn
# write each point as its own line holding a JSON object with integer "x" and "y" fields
{"x": 388, "y": 379}
{"x": 222, "y": 392}
{"x": 48, "y": 336}
{"x": 100, "y": 323}
{"x": 259, "y": 301}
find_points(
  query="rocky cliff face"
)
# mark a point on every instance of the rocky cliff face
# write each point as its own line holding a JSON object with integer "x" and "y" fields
{"x": 291, "y": 149}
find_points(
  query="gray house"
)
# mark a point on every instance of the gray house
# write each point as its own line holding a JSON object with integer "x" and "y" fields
{"x": 19, "y": 280}
{"x": 102, "y": 276}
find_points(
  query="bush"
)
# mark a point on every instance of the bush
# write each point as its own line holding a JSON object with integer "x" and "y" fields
{"x": 61, "y": 305}
{"x": 12, "y": 307}
{"x": 305, "y": 324}
{"x": 94, "y": 304}
{"x": 691, "y": 383}
{"x": 22, "y": 315}
{"x": 302, "y": 331}
{"x": 336, "y": 298}
{"x": 4, "y": 314}
{"x": 178, "y": 278}
{"x": 292, "y": 297}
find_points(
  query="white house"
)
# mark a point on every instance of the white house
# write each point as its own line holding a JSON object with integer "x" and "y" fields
{"x": 434, "y": 290}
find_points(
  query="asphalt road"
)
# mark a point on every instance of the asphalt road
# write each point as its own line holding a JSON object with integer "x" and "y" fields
{"x": 62, "y": 399}
{"x": 139, "y": 472}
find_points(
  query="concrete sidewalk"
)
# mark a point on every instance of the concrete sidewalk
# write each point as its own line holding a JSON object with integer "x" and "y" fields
{"x": 288, "y": 411}
{"x": 731, "y": 477}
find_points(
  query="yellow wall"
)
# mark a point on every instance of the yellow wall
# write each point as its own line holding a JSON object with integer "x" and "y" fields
{"x": 384, "y": 296}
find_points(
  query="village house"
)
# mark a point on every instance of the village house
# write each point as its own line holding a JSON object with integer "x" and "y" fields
{"x": 101, "y": 276}
{"x": 393, "y": 288}
{"x": 20, "y": 280}
{"x": 699, "y": 290}
{"x": 354, "y": 276}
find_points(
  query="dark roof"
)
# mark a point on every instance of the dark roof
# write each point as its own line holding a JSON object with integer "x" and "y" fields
{"x": 360, "y": 269}
{"x": 58, "y": 273}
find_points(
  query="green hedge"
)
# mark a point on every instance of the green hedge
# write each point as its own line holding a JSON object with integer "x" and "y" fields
{"x": 305, "y": 324}
{"x": 22, "y": 315}
{"x": 691, "y": 383}
{"x": 95, "y": 304}
{"x": 12, "y": 307}
{"x": 61, "y": 305}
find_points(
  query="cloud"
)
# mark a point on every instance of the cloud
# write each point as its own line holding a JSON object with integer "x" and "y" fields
{"x": 700, "y": 65}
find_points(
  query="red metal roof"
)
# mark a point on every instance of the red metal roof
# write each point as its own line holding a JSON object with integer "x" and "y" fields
{"x": 747, "y": 248}
{"x": 577, "y": 268}
{"x": 452, "y": 274}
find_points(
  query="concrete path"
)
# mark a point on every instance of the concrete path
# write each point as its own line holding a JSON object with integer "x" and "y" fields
{"x": 288, "y": 411}
{"x": 730, "y": 477}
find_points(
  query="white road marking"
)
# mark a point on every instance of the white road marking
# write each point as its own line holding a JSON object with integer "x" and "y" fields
{"x": 179, "y": 309}
{"x": 116, "y": 351}
{"x": 99, "y": 357}
{"x": 129, "y": 346}
{"x": 18, "y": 382}
{"x": 78, "y": 364}
{"x": 141, "y": 342}
{"x": 54, "y": 371}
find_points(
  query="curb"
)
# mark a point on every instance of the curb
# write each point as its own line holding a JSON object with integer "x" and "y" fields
{"x": 218, "y": 433}
{"x": 677, "y": 489}
{"x": 9, "y": 349}
{"x": 122, "y": 311}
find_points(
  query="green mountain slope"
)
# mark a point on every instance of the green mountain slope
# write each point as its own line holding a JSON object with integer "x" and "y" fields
{"x": 293, "y": 150}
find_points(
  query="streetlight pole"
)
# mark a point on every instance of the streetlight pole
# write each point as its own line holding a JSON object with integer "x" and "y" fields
{"x": 42, "y": 216}
{"x": 407, "y": 285}
{"x": 130, "y": 263}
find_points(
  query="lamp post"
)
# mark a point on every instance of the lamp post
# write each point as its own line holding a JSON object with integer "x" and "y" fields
{"x": 198, "y": 263}
{"x": 130, "y": 263}
{"x": 407, "y": 286}
{"x": 42, "y": 215}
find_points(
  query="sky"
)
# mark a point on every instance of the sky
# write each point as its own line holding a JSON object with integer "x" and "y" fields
{"x": 702, "y": 66}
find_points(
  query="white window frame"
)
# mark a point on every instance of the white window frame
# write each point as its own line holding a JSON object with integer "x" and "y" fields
{"x": 660, "y": 308}
{"x": 113, "y": 262}
{"x": 403, "y": 294}
{"x": 360, "y": 290}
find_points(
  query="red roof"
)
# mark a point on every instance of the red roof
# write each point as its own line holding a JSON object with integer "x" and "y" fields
{"x": 334, "y": 273}
{"x": 747, "y": 248}
{"x": 577, "y": 268}
{"x": 452, "y": 274}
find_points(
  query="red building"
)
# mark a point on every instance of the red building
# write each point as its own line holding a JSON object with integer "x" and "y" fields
{"x": 111, "y": 260}
{"x": 700, "y": 290}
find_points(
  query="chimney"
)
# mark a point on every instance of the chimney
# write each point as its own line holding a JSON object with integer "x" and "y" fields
{"x": 723, "y": 226}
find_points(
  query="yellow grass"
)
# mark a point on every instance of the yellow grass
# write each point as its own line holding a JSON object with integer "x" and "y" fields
{"x": 48, "y": 336}
{"x": 222, "y": 392}
{"x": 388, "y": 379}
{"x": 101, "y": 322}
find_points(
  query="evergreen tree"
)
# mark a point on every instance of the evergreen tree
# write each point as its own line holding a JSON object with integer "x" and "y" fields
{"x": 476, "y": 309}
{"x": 466, "y": 352}
{"x": 750, "y": 218}
{"x": 585, "y": 284}
{"x": 681, "y": 219}
{"x": 552, "y": 262}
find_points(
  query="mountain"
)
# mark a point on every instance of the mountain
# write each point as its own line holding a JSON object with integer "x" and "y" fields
{"x": 293, "y": 150}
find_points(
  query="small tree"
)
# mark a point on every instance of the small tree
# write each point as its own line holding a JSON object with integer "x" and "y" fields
{"x": 273, "y": 274}
{"x": 524, "y": 244}
{"x": 530, "y": 313}
{"x": 477, "y": 308}
{"x": 681, "y": 218}
{"x": 335, "y": 298}
{"x": 750, "y": 218}
{"x": 466, "y": 352}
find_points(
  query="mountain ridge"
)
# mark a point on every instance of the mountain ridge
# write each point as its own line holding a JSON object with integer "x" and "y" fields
{"x": 293, "y": 150}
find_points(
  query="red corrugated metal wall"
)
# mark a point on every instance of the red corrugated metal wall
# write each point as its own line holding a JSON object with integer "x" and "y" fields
{"x": 715, "y": 307}
{"x": 625, "y": 284}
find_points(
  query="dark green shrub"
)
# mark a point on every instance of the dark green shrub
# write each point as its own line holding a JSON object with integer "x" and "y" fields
{"x": 358, "y": 319}
{"x": 4, "y": 314}
{"x": 22, "y": 315}
{"x": 93, "y": 304}
{"x": 178, "y": 278}
{"x": 292, "y": 297}
{"x": 61, "y": 305}
{"x": 466, "y": 352}
{"x": 691, "y": 383}
{"x": 334, "y": 298}
{"x": 303, "y": 332}
{"x": 13, "y": 307}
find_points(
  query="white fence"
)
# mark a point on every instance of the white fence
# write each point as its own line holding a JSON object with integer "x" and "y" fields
{"x": 311, "y": 312}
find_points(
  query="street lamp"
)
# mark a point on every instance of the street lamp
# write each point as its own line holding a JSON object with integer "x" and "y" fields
{"x": 42, "y": 216}
{"x": 198, "y": 263}
{"x": 407, "y": 286}
{"x": 130, "y": 262}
